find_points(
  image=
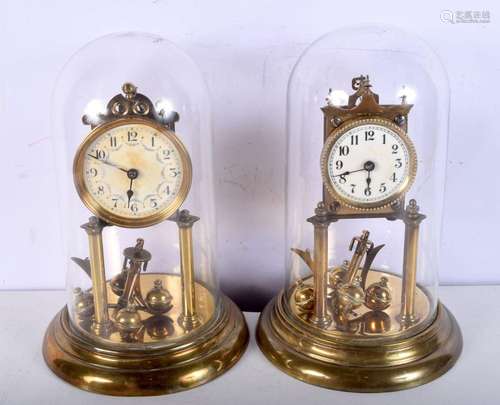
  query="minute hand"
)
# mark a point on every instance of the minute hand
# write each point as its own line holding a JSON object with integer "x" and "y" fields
{"x": 108, "y": 163}
{"x": 348, "y": 172}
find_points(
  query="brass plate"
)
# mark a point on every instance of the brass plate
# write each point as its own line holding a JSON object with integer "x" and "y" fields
{"x": 353, "y": 365}
{"x": 205, "y": 308}
{"x": 81, "y": 362}
{"x": 369, "y": 324}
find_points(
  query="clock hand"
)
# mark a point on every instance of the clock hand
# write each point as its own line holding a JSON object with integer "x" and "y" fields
{"x": 107, "y": 163}
{"x": 130, "y": 193}
{"x": 348, "y": 172}
{"x": 368, "y": 166}
{"x": 131, "y": 174}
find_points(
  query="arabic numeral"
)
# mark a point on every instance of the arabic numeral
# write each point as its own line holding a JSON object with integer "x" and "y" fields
{"x": 383, "y": 188}
{"x": 132, "y": 136}
{"x": 369, "y": 135}
{"x": 354, "y": 140}
{"x": 112, "y": 141}
{"x": 174, "y": 172}
{"x": 134, "y": 207}
{"x": 165, "y": 154}
{"x": 393, "y": 177}
{"x": 100, "y": 190}
{"x": 353, "y": 188}
{"x": 398, "y": 163}
{"x": 395, "y": 149}
{"x": 92, "y": 171}
{"x": 100, "y": 154}
{"x": 115, "y": 202}
{"x": 342, "y": 179}
{"x": 344, "y": 150}
{"x": 368, "y": 191}
{"x": 339, "y": 164}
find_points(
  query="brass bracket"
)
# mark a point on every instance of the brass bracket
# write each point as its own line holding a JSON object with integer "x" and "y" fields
{"x": 131, "y": 104}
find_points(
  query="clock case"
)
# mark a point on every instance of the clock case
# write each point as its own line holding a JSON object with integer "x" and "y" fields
{"x": 144, "y": 313}
{"x": 359, "y": 311}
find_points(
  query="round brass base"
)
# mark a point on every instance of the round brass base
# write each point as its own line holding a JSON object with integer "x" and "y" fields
{"x": 355, "y": 365}
{"x": 146, "y": 372}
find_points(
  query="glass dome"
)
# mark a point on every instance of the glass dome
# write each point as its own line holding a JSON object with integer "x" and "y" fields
{"x": 131, "y": 120}
{"x": 367, "y": 124}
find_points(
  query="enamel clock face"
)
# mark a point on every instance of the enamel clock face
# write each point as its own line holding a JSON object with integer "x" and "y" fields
{"x": 368, "y": 163}
{"x": 132, "y": 172}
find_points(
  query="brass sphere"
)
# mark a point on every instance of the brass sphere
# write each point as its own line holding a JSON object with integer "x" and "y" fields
{"x": 336, "y": 276}
{"x": 128, "y": 319}
{"x": 304, "y": 297}
{"x": 83, "y": 303}
{"x": 158, "y": 299}
{"x": 350, "y": 295}
{"x": 378, "y": 296}
{"x": 117, "y": 283}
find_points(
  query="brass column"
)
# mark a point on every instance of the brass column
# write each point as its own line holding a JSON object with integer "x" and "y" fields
{"x": 189, "y": 318}
{"x": 412, "y": 219}
{"x": 321, "y": 222}
{"x": 94, "y": 229}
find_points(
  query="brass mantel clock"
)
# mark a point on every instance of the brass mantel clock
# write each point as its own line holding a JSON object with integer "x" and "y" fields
{"x": 142, "y": 328}
{"x": 356, "y": 326}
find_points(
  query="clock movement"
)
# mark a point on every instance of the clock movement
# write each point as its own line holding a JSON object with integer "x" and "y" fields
{"x": 359, "y": 311}
{"x": 144, "y": 314}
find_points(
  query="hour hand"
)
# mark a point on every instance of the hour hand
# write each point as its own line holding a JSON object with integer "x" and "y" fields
{"x": 108, "y": 163}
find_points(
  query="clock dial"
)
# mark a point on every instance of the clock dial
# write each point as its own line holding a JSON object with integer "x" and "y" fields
{"x": 369, "y": 164}
{"x": 132, "y": 174}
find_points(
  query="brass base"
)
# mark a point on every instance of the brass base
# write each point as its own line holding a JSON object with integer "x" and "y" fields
{"x": 78, "y": 361}
{"x": 350, "y": 364}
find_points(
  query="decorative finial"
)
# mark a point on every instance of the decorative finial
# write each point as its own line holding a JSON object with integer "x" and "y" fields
{"x": 129, "y": 90}
{"x": 360, "y": 81}
{"x": 140, "y": 244}
{"x": 413, "y": 208}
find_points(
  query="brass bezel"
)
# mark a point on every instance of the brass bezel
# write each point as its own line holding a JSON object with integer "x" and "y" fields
{"x": 399, "y": 194}
{"x": 112, "y": 218}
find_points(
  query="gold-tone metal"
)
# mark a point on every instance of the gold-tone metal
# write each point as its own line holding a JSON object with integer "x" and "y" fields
{"x": 396, "y": 327}
{"x": 362, "y": 246}
{"x": 146, "y": 371}
{"x": 387, "y": 336}
{"x": 412, "y": 220}
{"x": 158, "y": 299}
{"x": 364, "y": 108}
{"x": 316, "y": 357}
{"x": 321, "y": 223}
{"x": 378, "y": 295}
{"x": 337, "y": 201}
{"x": 129, "y": 105}
{"x": 111, "y": 217}
{"x": 189, "y": 318}
{"x": 304, "y": 297}
{"x": 206, "y": 311}
{"x": 101, "y": 324}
